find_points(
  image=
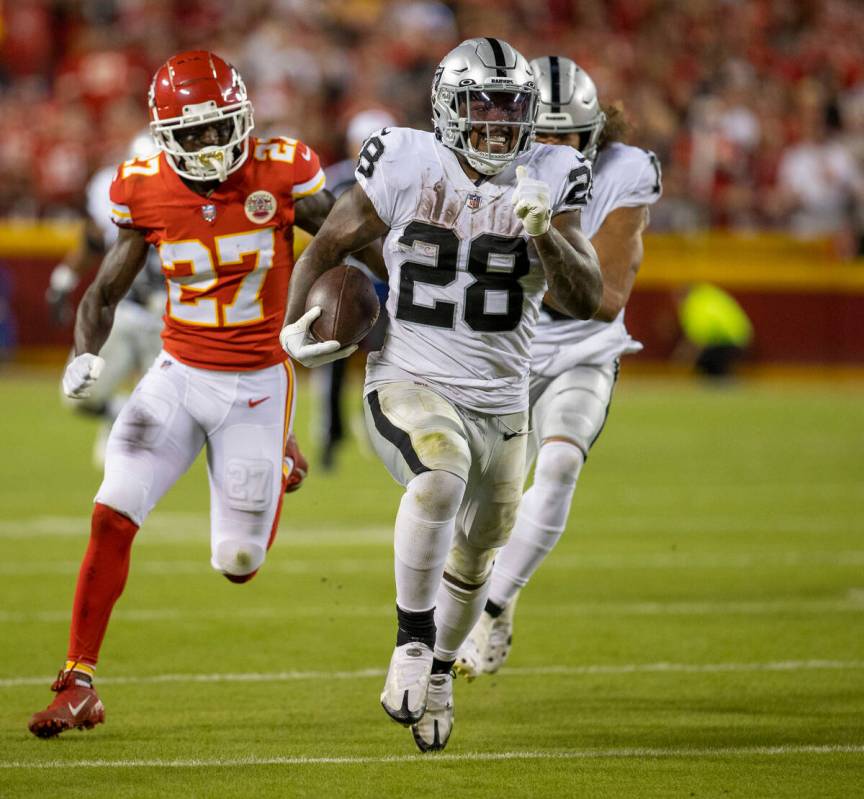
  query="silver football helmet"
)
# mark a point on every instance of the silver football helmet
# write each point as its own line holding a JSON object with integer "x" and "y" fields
{"x": 486, "y": 88}
{"x": 568, "y": 101}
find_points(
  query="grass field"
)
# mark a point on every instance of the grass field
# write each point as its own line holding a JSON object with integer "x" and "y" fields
{"x": 699, "y": 632}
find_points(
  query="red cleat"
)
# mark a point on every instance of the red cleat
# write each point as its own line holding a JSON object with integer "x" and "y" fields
{"x": 76, "y": 706}
{"x": 296, "y": 464}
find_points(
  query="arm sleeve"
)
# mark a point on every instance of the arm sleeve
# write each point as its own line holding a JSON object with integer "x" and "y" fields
{"x": 308, "y": 176}
{"x": 376, "y": 172}
{"x": 122, "y": 204}
{"x": 646, "y": 185}
{"x": 574, "y": 190}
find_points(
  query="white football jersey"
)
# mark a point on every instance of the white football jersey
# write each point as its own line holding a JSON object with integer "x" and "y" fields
{"x": 465, "y": 286}
{"x": 624, "y": 177}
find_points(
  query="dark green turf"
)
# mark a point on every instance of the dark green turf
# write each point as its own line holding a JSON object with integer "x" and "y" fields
{"x": 711, "y": 529}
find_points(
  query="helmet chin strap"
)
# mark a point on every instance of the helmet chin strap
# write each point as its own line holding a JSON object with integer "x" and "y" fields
{"x": 214, "y": 158}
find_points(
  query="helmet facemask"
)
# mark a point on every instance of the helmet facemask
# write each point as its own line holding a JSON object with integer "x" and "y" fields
{"x": 212, "y": 162}
{"x": 499, "y": 120}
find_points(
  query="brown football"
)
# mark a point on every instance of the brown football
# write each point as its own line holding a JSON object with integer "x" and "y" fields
{"x": 349, "y": 305}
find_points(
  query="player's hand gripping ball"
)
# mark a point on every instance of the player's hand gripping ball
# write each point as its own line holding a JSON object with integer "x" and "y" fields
{"x": 349, "y": 305}
{"x": 340, "y": 310}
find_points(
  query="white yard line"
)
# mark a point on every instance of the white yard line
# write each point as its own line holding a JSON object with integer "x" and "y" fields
{"x": 853, "y": 603}
{"x": 185, "y": 527}
{"x": 467, "y": 757}
{"x": 526, "y": 671}
{"x": 586, "y": 562}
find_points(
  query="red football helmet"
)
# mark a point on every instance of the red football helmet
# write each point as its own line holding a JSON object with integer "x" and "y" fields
{"x": 192, "y": 89}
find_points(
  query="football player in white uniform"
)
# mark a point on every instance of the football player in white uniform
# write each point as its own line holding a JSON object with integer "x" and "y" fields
{"x": 135, "y": 338}
{"x": 478, "y": 225}
{"x": 574, "y": 364}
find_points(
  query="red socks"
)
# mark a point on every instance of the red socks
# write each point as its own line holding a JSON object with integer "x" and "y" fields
{"x": 100, "y": 581}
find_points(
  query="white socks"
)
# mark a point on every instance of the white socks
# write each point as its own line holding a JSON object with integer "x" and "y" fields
{"x": 540, "y": 521}
{"x": 456, "y": 612}
{"x": 424, "y": 531}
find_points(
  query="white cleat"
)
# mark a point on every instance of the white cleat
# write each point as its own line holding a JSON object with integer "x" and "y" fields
{"x": 432, "y": 732}
{"x": 407, "y": 683}
{"x": 488, "y": 645}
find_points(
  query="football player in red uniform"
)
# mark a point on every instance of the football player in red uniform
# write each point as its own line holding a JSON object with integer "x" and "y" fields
{"x": 220, "y": 205}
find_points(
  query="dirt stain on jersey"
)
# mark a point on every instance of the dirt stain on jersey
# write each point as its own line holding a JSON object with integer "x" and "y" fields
{"x": 439, "y": 203}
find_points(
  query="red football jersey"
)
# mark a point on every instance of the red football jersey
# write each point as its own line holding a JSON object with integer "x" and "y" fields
{"x": 226, "y": 258}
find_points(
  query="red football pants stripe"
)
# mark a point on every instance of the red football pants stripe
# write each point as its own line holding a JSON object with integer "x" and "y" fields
{"x": 289, "y": 419}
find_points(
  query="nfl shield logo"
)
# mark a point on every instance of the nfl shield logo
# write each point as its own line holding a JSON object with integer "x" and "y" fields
{"x": 208, "y": 212}
{"x": 473, "y": 201}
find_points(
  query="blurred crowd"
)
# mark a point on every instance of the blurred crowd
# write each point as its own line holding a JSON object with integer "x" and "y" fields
{"x": 754, "y": 107}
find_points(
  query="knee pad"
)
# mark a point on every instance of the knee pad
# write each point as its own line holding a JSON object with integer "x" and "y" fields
{"x": 470, "y": 565}
{"x": 575, "y": 404}
{"x": 126, "y": 487}
{"x": 238, "y": 558}
{"x": 444, "y": 448}
{"x": 436, "y": 495}
{"x": 559, "y": 463}
{"x": 426, "y": 519}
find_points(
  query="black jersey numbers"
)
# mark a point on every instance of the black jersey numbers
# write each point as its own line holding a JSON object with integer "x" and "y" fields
{"x": 440, "y": 247}
{"x": 370, "y": 152}
{"x": 492, "y": 302}
{"x": 579, "y": 180}
{"x": 658, "y": 175}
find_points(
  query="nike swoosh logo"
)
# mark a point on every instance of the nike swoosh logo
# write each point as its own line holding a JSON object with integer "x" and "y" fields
{"x": 76, "y": 710}
{"x": 307, "y": 155}
{"x": 253, "y": 403}
{"x": 508, "y": 436}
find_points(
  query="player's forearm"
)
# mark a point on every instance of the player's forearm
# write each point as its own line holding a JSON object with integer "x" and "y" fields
{"x": 93, "y": 321}
{"x": 610, "y": 306}
{"x": 572, "y": 273}
{"x": 96, "y": 311}
{"x": 617, "y": 288}
{"x": 619, "y": 249}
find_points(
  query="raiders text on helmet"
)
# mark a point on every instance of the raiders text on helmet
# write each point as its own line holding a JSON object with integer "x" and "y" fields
{"x": 485, "y": 84}
{"x": 568, "y": 101}
{"x": 192, "y": 89}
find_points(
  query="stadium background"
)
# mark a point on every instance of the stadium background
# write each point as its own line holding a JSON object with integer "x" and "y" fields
{"x": 701, "y": 621}
{"x": 729, "y": 95}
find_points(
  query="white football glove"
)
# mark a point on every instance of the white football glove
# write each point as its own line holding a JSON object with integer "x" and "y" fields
{"x": 531, "y": 203}
{"x": 81, "y": 373}
{"x": 299, "y": 344}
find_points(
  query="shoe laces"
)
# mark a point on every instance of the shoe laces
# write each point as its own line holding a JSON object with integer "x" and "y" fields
{"x": 67, "y": 678}
{"x": 61, "y": 682}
